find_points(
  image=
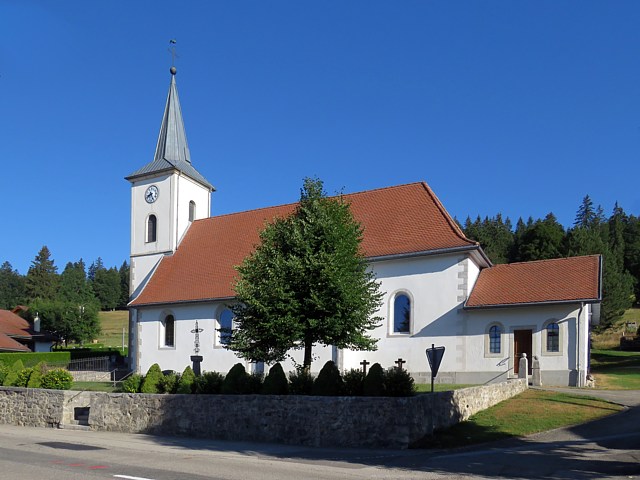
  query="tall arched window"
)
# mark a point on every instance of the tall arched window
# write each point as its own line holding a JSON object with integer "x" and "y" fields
{"x": 169, "y": 331}
{"x": 495, "y": 339}
{"x": 225, "y": 325}
{"x": 553, "y": 337}
{"x": 401, "y": 314}
{"x": 152, "y": 228}
{"x": 192, "y": 211}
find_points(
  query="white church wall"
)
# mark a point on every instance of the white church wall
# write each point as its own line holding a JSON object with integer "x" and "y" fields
{"x": 186, "y": 191}
{"x": 140, "y": 211}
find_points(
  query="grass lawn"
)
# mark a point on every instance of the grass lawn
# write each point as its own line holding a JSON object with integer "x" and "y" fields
{"x": 112, "y": 325}
{"x": 615, "y": 369}
{"x": 94, "y": 386}
{"x": 530, "y": 412}
{"x": 610, "y": 338}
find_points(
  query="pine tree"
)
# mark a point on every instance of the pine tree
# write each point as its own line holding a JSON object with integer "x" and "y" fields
{"x": 586, "y": 214}
{"x": 74, "y": 286}
{"x": 42, "y": 278}
{"x": 124, "y": 285}
{"x": 106, "y": 286}
{"x": 542, "y": 241}
{"x": 12, "y": 287}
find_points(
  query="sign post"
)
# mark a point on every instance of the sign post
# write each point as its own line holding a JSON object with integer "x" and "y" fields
{"x": 434, "y": 355}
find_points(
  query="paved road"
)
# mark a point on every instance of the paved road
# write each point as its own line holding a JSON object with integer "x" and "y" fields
{"x": 607, "y": 448}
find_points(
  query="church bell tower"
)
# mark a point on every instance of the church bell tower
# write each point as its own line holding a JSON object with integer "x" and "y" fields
{"x": 167, "y": 194}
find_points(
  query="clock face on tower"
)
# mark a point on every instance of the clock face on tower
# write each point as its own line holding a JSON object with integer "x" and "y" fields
{"x": 151, "y": 195}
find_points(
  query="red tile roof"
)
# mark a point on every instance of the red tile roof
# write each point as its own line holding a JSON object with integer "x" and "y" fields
{"x": 9, "y": 344}
{"x": 561, "y": 280}
{"x": 397, "y": 220}
{"x": 13, "y": 325}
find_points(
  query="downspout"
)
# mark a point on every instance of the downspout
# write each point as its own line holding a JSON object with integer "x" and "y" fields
{"x": 579, "y": 382}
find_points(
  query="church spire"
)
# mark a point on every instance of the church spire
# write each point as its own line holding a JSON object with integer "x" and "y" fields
{"x": 172, "y": 141}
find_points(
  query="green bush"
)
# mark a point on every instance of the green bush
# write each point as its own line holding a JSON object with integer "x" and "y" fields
{"x": 374, "y": 382}
{"x": 398, "y": 383}
{"x": 253, "y": 383}
{"x": 57, "y": 379}
{"x": 187, "y": 379}
{"x": 4, "y": 370}
{"x": 209, "y": 383}
{"x": 353, "y": 383}
{"x": 169, "y": 383}
{"x": 32, "y": 359}
{"x": 23, "y": 377}
{"x": 12, "y": 375}
{"x": 276, "y": 382}
{"x": 329, "y": 381}
{"x": 235, "y": 382}
{"x": 300, "y": 382}
{"x": 35, "y": 380}
{"x": 132, "y": 383}
{"x": 151, "y": 379}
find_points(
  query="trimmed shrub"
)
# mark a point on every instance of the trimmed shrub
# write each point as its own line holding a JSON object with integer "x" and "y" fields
{"x": 57, "y": 379}
{"x": 329, "y": 381}
{"x": 398, "y": 383}
{"x": 187, "y": 379}
{"x": 300, "y": 382}
{"x": 12, "y": 375}
{"x": 151, "y": 379}
{"x": 4, "y": 371}
{"x": 276, "y": 382}
{"x": 23, "y": 377}
{"x": 35, "y": 380}
{"x": 235, "y": 383}
{"x": 32, "y": 359}
{"x": 209, "y": 383}
{"x": 254, "y": 383}
{"x": 132, "y": 383}
{"x": 353, "y": 383}
{"x": 169, "y": 383}
{"x": 374, "y": 382}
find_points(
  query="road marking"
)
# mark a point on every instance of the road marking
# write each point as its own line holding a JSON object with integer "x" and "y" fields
{"x": 132, "y": 478}
{"x": 97, "y": 467}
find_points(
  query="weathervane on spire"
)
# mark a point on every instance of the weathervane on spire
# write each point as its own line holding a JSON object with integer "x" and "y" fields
{"x": 174, "y": 55}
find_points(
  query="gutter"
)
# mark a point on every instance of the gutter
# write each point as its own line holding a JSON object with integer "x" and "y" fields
{"x": 439, "y": 251}
{"x": 180, "y": 302}
{"x": 529, "y": 304}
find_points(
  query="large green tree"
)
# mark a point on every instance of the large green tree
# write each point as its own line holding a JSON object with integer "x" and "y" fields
{"x": 306, "y": 283}
{"x": 68, "y": 321}
{"x": 106, "y": 286}
{"x": 124, "y": 285}
{"x": 12, "y": 287}
{"x": 74, "y": 286}
{"x": 42, "y": 278}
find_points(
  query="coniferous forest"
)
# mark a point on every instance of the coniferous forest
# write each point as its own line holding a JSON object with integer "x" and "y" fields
{"x": 68, "y": 302}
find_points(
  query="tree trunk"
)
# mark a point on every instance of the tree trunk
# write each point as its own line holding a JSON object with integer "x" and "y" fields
{"x": 308, "y": 345}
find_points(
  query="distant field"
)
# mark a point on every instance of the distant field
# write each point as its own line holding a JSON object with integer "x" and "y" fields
{"x": 112, "y": 325}
{"x": 610, "y": 338}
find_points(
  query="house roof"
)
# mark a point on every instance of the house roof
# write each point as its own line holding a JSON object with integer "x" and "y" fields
{"x": 564, "y": 280}
{"x": 172, "y": 149}
{"x": 10, "y": 345}
{"x": 11, "y": 325}
{"x": 397, "y": 220}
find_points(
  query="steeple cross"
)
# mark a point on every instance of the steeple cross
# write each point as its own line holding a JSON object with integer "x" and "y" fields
{"x": 400, "y": 362}
{"x": 196, "y": 342}
{"x": 364, "y": 364}
{"x": 172, "y": 51}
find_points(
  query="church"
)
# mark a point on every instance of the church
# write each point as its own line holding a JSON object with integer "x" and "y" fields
{"x": 439, "y": 287}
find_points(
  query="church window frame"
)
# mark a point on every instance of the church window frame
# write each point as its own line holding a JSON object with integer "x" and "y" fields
{"x": 396, "y": 329}
{"x": 152, "y": 229}
{"x": 221, "y": 339}
{"x": 494, "y": 340}
{"x": 167, "y": 334}
{"x": 553, "y": 338}
{"x": 192, "y": 211}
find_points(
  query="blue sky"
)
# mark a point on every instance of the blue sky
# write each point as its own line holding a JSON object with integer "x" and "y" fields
{"x": 514, "y": 107}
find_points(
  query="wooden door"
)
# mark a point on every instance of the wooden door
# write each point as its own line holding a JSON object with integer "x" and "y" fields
{"x": 522, "y": 344}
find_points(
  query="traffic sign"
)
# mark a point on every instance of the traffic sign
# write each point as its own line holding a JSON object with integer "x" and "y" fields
{"x": 434, "y": 355}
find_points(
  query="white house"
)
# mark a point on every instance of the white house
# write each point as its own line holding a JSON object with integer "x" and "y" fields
{"x": 440, "y": 287}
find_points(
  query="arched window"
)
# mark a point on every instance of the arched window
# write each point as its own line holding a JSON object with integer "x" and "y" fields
{"x": 152, "y": 224}
{"x": 192, "y": 211}
{"x": 401, "y": 314}
{"x": 169, "y": 331}
{"x": 553, "y": 337}
{"x": 225, "y": 325}
{"x": 495, "y": 339}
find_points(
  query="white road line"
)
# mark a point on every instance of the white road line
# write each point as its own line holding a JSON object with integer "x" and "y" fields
{"x": 132, "y": 478}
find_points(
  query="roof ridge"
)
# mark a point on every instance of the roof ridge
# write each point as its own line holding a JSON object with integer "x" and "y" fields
{"x": 546, "y": 260}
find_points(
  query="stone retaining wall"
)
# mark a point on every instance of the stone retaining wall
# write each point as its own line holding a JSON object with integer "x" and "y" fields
{"x": 299, "y": 420}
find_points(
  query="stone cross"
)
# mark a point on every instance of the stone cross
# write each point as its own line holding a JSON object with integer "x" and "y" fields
{"x": 196, "y": 342}
{"x": 364, "y": 364}
{"x": 400, "y": 362}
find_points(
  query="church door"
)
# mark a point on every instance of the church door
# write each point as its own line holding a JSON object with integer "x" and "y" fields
{"x": 522, "y": 344}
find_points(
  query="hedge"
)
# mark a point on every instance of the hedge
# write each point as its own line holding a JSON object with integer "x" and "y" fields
{"x": 32, "y": 359}
{"x": 88, "y": 352}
